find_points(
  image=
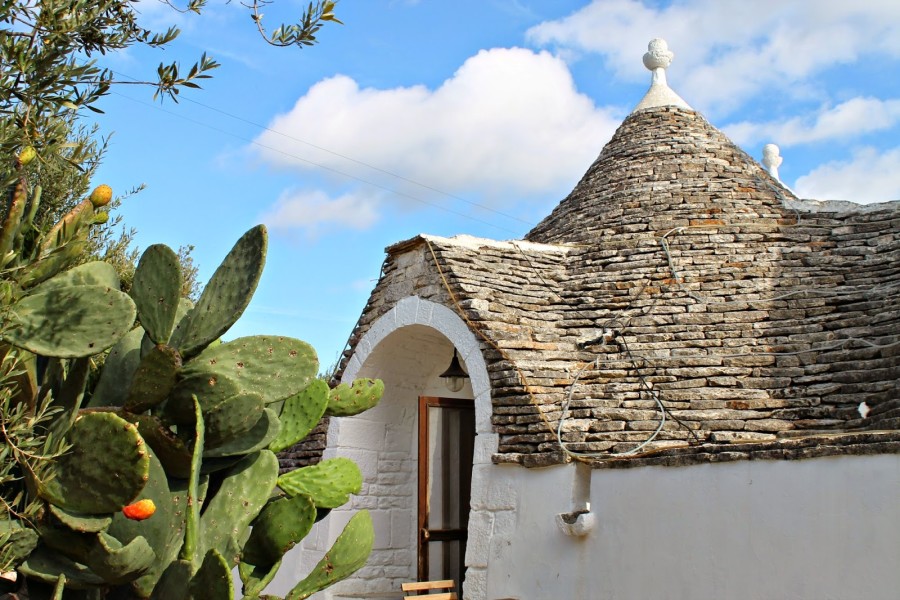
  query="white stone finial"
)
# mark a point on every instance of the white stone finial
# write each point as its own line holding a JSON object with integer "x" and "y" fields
{"x": 657, "y": 59}
{"x": 772, "y": 160}
{"x": 658, "y": 55}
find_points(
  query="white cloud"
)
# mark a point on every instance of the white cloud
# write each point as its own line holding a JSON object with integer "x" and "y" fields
{"x": 849, "y": 119}
{"x": 508, "y": 123}
{"x": 728, "y": 50}
{"x": 868, "y": 177}
{"x": 312, "y": 211}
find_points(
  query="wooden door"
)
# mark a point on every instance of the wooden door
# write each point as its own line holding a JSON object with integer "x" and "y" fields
{"x": 446, "y": 444}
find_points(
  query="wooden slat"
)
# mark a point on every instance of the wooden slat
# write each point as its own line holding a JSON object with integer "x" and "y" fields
{"x": 444, "y": 584}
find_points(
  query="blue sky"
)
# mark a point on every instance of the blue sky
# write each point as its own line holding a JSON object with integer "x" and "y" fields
{"x": 475, "y": 117}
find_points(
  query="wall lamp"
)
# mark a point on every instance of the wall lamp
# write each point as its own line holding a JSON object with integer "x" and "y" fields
{"x": 454, "y": 377}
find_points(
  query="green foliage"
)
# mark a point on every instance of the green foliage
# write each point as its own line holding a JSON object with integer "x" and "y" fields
{"x": 172, "y": 415}
{"x": 191, "y": 424}
{"x": 49, "y": 77}
{"x": 302, "y": 33}
{"x": 49, "y": 68}
{"x": 26, "y": 450}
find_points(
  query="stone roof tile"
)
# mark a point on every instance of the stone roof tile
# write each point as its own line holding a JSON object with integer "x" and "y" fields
{"x": 679, "y": 278}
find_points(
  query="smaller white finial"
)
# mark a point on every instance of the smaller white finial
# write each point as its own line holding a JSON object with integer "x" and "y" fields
{"x": 772, "y": 160}
{"x": 657, "y": 59}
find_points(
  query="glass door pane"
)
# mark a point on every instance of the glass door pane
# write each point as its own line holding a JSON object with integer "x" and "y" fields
{"x": 446, "y": 441}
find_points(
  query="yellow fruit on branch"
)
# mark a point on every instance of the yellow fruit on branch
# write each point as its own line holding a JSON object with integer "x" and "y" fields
{"x": 101, "y": 195}
{"x": 26, "y": 155}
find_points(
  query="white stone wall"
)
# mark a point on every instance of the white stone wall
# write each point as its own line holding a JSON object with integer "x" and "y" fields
{"x": 747, "y": 530}
{"x": 744, "y": 530}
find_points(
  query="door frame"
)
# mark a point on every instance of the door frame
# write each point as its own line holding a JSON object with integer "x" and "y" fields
{"x": 425, "y": 534}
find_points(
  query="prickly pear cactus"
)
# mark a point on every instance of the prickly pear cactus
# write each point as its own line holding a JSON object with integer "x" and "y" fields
{"x": 104, "y": 444}
{"x": 329, "y": 483}
{"x": 346, "y": 400}
{"x": 176, "y": 420}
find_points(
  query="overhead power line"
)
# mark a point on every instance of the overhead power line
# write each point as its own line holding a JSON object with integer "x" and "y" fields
{"x": 335, "y": 170}
{"x": 362, "y": 163}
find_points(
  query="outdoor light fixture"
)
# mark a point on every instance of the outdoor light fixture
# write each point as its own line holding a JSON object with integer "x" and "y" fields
{"x": 454, "y": 377}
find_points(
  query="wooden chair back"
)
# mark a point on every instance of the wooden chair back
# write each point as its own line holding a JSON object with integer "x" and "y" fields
{"x": 425, "y": 589}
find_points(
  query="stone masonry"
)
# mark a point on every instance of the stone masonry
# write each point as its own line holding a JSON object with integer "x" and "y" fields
{"x": 677, "y": 278}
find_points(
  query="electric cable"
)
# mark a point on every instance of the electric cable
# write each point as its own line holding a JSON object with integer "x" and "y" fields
{"x": 663, "y": 241}
{"x": 324, "y": 167}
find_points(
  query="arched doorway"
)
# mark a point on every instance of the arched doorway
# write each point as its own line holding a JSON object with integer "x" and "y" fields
{"x": 408, "y": 348}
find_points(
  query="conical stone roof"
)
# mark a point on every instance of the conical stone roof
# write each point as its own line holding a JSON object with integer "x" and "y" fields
{"x": 665, "y": 166}
{"x": 679, "y": 305}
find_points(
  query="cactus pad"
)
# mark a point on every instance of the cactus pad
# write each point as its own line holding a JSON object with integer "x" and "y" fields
{"x": 345, "y": 400}
{"x": 106, "y": 468}
{"x": 211, "y": 390}
{"x": 80, "y": 523}
{"x": 91, "y": 273}
{"x": 226, "y": 295}
{"x": 300, "y": 414}
{"x": 275, "y": 367}
{"x": 328, "y": 483}
{"x": 173, "y": 403}
{"x": 170, "y": 449}
{"x": 117, "y": 563}
{"x": 153, "y": 379}
{"x": 70, "y": 322}
{"x": 156, "y": 291}
{"x": 173, "y": 585}
{"x": 46, "y": 565}
{"x": 163, "y": 531}
{"x": 348, "y": 553}
{"x": 235, "y": 416}
{"x": 282, "y": 524}
{"x": 213, "y": 579}
{"x": 118, "y": 370}
{"x": 225, "y": 521}
{"x": 256, "y": 579}
{"x": 256, "y": 438}
{"x": 16, "y": 542}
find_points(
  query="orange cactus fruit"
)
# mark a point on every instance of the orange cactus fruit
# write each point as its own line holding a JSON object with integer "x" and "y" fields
{"x": 140, "y": 510}
{"x": 101, "y": 195}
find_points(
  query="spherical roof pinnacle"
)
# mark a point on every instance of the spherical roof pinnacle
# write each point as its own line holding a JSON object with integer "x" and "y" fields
{"x": 658, "y": 55}
{"x": 657, "y": 59}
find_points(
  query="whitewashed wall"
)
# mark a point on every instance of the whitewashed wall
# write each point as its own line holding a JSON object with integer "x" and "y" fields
{"x": 826, "y": 528}
{"x": 749, "y": 530}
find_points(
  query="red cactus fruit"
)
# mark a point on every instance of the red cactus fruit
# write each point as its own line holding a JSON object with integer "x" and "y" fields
{"x": 140, "y": 510}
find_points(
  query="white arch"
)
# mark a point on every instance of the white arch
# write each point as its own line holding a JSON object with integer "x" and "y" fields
{"x": 410, "y": 312}
{"x": 413, "y": 310}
